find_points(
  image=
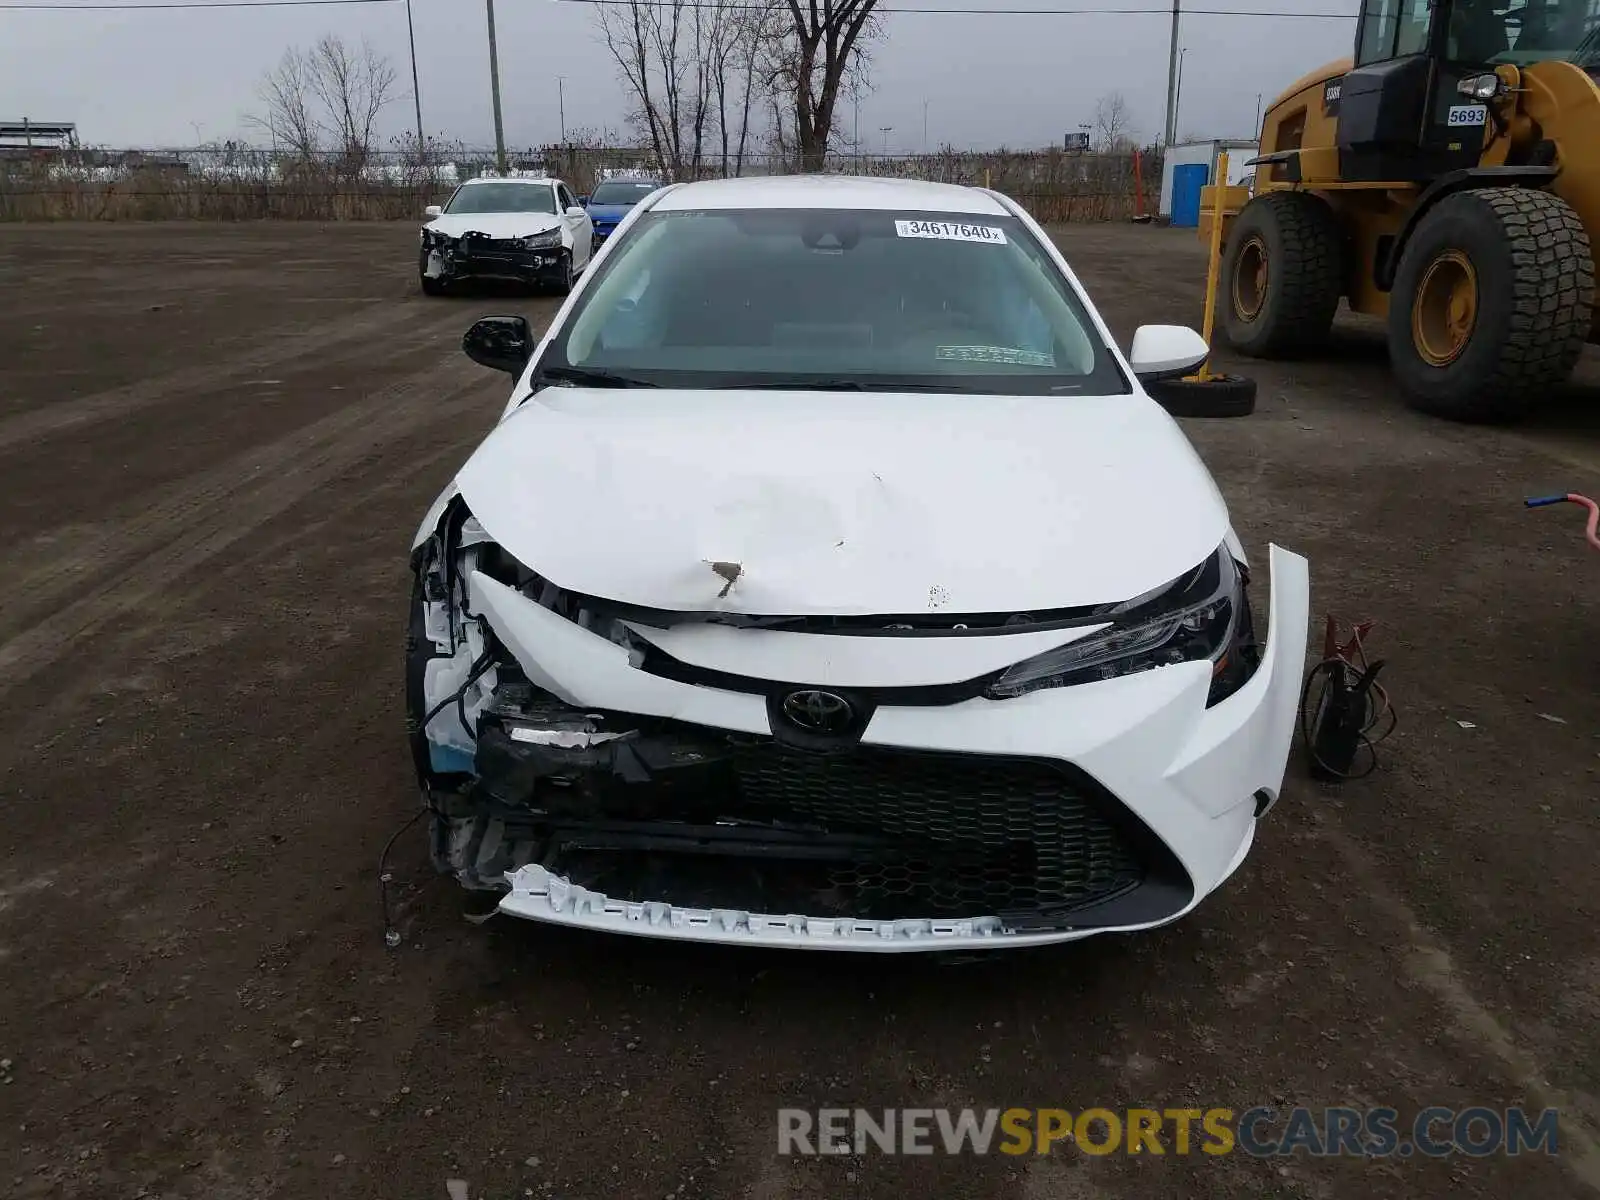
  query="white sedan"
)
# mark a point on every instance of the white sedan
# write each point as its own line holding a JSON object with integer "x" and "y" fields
{"x": 530, "y": 231}
{"x": 831, "y": 580}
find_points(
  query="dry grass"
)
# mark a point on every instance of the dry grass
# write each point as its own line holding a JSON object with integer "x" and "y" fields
{"x": 1054, "y": 186}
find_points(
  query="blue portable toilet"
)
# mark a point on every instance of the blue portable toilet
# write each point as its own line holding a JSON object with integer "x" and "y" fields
{"x": 1187, "y": 180}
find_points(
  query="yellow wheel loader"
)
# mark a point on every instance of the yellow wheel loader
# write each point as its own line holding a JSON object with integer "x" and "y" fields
{"x": 1447, "y": 179}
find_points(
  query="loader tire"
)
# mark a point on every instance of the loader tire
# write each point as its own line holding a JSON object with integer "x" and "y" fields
{"x": 1282, "y": 276}
{"x": 1491, "y": 304}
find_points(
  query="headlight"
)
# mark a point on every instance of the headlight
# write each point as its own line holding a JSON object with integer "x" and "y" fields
{"x": 1480, "y": 87}
{"x": 1204, "y": 615}
{"x": 541, "y": 241}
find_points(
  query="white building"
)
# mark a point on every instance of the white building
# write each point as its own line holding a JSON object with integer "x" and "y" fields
{"x": 1178, "y": 183}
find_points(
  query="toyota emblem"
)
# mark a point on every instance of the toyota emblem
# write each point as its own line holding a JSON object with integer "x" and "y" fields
{"x": 819, "y": 712}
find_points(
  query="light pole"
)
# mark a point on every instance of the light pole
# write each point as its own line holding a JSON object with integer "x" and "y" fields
{"x": 924, "y": 126}
{"x": 885, "y": 130}
{"x": 1172, "y": 75}
{"x": 561, "y": 105}
{"x": 416, "y": 91}
{"x": 494, "y": 83}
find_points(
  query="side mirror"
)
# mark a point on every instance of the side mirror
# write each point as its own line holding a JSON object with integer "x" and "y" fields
{"x": 500, "y": 343}
{"x": 433, "y": 210}
{"x": 576, "y": 211}
{"x": 1162, "y": 351}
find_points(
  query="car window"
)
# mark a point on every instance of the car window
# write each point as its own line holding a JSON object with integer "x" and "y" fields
{"x": 502, "y": 198}
{"x": 729, "y": 298}
{"x": 566, "y": 197}
{"x": 618, "y": 191}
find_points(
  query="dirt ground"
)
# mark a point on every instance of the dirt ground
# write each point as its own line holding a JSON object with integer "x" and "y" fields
{"x": 215, "y": 445}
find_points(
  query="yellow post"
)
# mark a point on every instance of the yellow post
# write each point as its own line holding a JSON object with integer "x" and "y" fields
{"x": 1214, "y": 267}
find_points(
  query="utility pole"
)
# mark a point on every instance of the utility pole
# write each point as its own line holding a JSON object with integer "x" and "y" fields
{"x": 561, "y": 104}
{"x": 494, "y": 83}
{"x": 1172, "y": 75}
{"x": 1256, "y": 128}
{"x": 416, "y": 91}
{"x": 1177, "y": 99}
{"x": 924, "y": 126}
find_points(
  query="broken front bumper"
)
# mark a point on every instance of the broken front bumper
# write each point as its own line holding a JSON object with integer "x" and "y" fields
{"x": 468, "y": 258}
{"x": 1115, "y": 805}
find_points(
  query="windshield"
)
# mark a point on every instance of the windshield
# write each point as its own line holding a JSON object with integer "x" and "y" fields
{"x": 619, "y": 191}
{"x": 1493, "y": 31}
{"x": 503, "y": 198}
{"x": 834, "y": 298}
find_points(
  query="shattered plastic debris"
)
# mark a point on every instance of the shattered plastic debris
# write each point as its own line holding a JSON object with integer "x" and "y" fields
{"x": 1466, "y": 724}
{"x": 1554, "y": 719}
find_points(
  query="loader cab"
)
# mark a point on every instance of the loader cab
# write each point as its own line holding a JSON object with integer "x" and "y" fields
{"x": 1401, "y": 113}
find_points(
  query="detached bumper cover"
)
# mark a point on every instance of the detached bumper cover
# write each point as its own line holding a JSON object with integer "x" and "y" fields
{"x": 1187, "y": 781}
{"x": 540, "y": 896}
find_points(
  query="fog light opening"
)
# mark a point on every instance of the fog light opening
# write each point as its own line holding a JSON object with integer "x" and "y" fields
{"x": 1265, "y": 799}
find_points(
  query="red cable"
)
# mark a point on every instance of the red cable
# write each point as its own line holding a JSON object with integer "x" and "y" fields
{"x": 1592, "y": 530}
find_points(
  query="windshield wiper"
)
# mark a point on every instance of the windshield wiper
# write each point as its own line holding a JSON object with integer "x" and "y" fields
{"x": 784, "y": 384}
{"x": 594, "y": 378}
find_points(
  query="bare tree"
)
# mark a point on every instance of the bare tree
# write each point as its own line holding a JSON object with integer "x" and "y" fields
{"x": 695, "y": 71}
{"x": 1112, "y": 125}
{"x": 328, "y": 96}
{"x": 743, "y": 50}
{"x": 658, "y": 47}
{"x": 353, "y": 89}
{"x": 290, "y": 119}
{"x": 823, "y": 39}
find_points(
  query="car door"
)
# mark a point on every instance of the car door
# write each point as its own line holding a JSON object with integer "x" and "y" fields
{"x": 580, "y": 227}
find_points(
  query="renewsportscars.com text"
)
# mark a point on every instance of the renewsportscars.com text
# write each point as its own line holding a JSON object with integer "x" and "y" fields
{"x": 1434, "y": 1132}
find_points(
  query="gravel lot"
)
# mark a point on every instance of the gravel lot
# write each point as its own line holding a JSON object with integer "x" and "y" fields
{"x": 216, "y": 443}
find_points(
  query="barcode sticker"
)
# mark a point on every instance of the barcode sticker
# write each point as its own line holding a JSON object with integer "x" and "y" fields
{"x": 951, "y": 231}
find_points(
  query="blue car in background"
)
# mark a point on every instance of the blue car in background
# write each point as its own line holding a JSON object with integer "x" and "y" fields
{"x": 612, "y": 200}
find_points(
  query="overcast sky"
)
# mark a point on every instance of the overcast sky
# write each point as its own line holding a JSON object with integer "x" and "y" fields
{"x": 159, "y": 78}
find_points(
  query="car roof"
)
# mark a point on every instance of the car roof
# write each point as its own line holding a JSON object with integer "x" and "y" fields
{"x": 832, "y": 191}
{"x": 546, "y": 182}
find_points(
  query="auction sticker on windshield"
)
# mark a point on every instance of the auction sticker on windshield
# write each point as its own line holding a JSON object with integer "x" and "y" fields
{"x": 950, "y": 231}
{"x": 1009, "y": 355}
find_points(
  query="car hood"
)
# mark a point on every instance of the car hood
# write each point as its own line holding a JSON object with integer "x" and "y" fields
{"x": 608, "y": 212}
{"x": 495, "y": 225}
{"x": 845, "y": 503}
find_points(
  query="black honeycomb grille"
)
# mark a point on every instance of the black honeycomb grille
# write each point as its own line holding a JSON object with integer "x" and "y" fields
{"x": 972, "y": 835}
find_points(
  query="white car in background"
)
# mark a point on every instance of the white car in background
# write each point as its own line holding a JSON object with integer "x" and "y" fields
{"x": 831, "y": 580}
{"x": 532, "y": 231}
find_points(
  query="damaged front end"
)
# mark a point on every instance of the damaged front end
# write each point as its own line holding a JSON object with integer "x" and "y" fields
{"x": 538, "y": 259}
{"x": 737, "y": 809}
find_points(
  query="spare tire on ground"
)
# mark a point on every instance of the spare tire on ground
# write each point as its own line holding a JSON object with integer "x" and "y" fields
{"x": 1219, "y": 396}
